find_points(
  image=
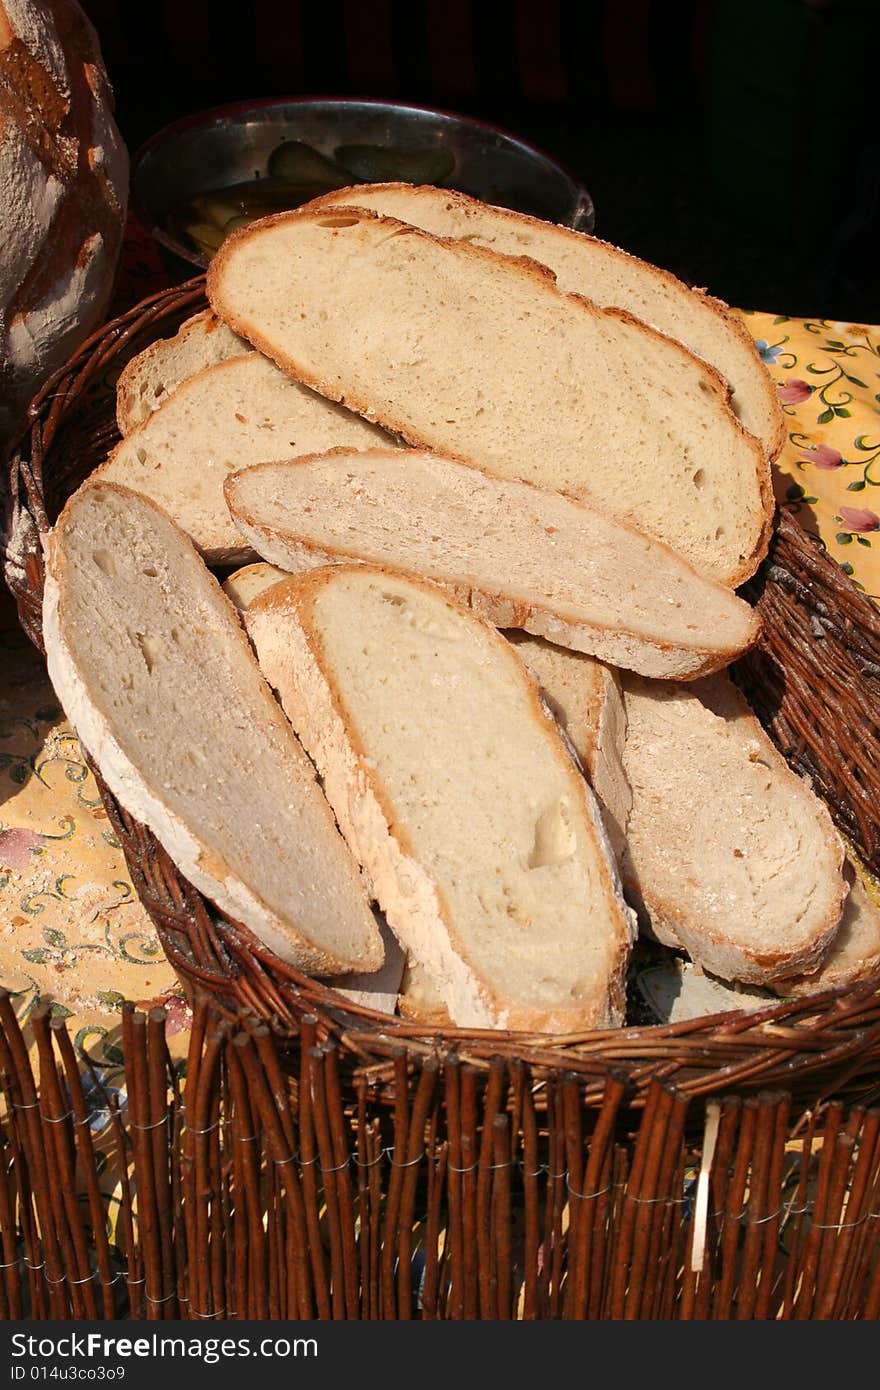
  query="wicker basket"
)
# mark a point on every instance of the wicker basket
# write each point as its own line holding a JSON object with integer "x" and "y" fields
{"x": 815, "y": 680}
{"x": 349, "y": 1085}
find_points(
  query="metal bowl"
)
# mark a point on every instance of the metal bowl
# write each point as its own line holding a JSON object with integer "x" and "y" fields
{"x": 231, "y": 144}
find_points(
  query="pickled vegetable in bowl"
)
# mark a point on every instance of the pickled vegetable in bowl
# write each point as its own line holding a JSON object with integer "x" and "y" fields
{"x": 295, "y": 174}
{"x": 198, "y": 179}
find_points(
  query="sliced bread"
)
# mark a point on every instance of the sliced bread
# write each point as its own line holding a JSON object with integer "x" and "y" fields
{"x": 244, "y": 585}
{"x": 583, "y": 694}
{"x": 730, "y": 856}
{"x": 240, "y": 411}
{"x": 517, "y": 554}
{"x": 854, "y": 953}
{"x": 586, "y": 700}
{"x": 451, "y": 783}
{"x": 375, "y": 989}
{"x": 151, "y": 665}
{"x": 600, "y": 272}
{"x": 148, "y": 379}
{"x": 419, "y": 1000}
{"x": 674, "y": 989}
{"x": 480, "y": 356}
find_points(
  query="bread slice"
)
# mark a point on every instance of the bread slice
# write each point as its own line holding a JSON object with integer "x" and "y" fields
{"x": 419, "y": 1000}
{"x": 674, "y": 990}
{"x": 149, "y": 379}
{"x": 453, "y": 787}
{"x": 584, "y": 697}
{"x": 854, "y": 953}
{"x": 375, "y": 989}
{"x": 730, "y": 855}
{"x": 481, "y": 357}
{"x": 600, "y": 272}
{"x": 152, "y": 667}
{"x": 237, "y": 412}
{"x": 244, "y": 585}
{"x": 518, "y": 555}
{"x": 586, "y": 701}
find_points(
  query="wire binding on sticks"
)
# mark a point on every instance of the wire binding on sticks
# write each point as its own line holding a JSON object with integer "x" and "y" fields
{"x": 155, "y": 1125}
{"x": 337, "y": 1168}
{"x": 210, "y": 1128}
{"x": 373, "y": 1161}
{"x": 410, "y": 1162}
{"x": 586, "y": 1196}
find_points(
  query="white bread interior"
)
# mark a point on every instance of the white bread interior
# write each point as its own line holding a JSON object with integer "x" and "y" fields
{"x": 605, "y": 274}
{"x": 583, "y": 694}
{"x": 239, "y": 411}
{"x": 451, "y": 783}
{"x": 151, "y": 665}
{"x": 149, "y": 378}
{"x": 729, "y": 856}
{"x": 854, "y": 953}
{"x": 477, "y": 355}
{"x": 587, "y": 702}
{"x": 517, "y": 554}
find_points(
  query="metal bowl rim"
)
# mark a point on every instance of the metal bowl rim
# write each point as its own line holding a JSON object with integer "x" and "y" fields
{"x": 215, "y": 114}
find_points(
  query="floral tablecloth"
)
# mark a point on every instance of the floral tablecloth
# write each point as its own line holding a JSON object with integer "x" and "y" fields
{"x": 828, "y": 378}
{"x": 71, "y": 929}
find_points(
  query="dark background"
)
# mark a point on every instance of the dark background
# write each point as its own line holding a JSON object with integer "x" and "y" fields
{"x": 733, "y": 141}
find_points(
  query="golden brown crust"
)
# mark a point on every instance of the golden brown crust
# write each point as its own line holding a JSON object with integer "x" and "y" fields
{"x": 299, "y": 595}
{"x": 748, "y": 965}
{"x": 502, "y": 610}
{"x": 95, "y": 724}
{"x": 776, "y": 434}
{"x": 435, "y": 1017}
{"x": 531, "y": 270}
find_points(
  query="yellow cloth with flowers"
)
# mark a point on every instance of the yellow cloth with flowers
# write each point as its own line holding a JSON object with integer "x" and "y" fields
{"x": 828, "y": 474}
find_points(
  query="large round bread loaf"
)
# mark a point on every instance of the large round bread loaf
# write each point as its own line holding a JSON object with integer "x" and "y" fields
{"x": 63, "y": 193}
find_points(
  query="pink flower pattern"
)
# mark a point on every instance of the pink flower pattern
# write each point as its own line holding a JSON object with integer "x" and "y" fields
{"x": 795, "y": 392}
{"x": 827, "y": 474}
{"x": 16, "y": 847}
{"x": 860, "y": 519}
{"x": 822, "y": 456}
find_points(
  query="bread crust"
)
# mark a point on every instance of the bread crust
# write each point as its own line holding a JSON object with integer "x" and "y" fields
{"x": 129, "y": 411}
{"x": 412, "y": 902}
{"x": 418, "y": 1010}
{"x": 64, "y": 172}
{"x": 647, "y": 654}
{"x": 748, "y": 963}
{"x": 861, "y": 916}
{"x": 530, "y": 269}
{"x": 775, "y": 433}
{"x": 198, "y": 861}
{"x": 751, "y": 967}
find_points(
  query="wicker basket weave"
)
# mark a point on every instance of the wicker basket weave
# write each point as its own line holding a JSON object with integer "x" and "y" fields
{"x": 814, "y": 679}
{"x": 325, "y": 1161}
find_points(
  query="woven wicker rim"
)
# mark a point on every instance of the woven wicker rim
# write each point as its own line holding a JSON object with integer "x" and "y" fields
{"x": 70, "y": 427}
